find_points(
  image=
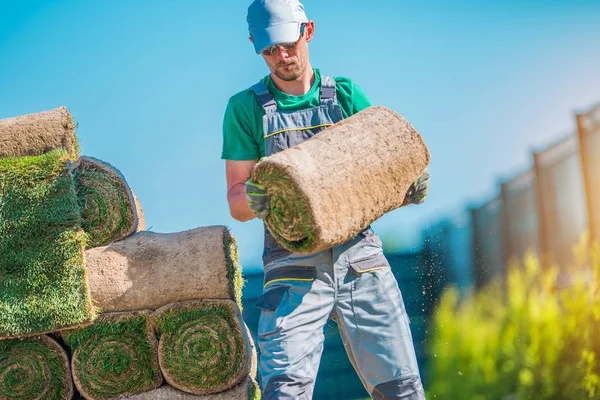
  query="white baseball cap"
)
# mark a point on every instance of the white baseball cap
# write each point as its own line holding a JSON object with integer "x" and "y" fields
{"x": 274, "y": 21}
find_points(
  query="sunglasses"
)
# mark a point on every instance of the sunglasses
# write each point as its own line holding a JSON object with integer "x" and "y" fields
{"x": 271, "y": 50}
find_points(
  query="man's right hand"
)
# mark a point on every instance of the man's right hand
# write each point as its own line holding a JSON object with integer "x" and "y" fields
{"x": 417, "y": 192}
{"x": 258, "y": 199}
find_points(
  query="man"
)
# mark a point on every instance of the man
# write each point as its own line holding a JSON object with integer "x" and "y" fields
{"x": 351, "y": 283}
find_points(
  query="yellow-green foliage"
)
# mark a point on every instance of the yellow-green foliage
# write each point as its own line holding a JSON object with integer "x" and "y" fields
{"x": 532, "y": 335}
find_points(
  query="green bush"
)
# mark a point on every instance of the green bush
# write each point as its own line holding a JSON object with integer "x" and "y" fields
{"x": 525, "y": 337}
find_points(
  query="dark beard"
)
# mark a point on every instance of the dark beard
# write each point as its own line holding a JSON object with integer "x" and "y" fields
{"x": 289, "y": 75}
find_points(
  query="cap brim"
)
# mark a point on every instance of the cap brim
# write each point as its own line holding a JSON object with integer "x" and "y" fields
{"x": 282, "y": 33}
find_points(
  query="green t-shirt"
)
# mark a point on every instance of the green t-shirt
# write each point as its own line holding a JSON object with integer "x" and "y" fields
{"x": 242, "y": 124}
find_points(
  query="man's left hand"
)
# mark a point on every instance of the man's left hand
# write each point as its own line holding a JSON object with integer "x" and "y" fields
{"x": 417, "y": 192}
{"x": 258, "y": 199}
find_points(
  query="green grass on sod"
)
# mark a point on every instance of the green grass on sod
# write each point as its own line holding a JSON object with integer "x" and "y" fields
{"x": 42, "y": 273}
{"x": 201, "y": 348}
{"x": 34, "y": 368}
{"x": 253, "y": 390}
{"x": 106, "y": 202}
{"x": 114, "y": 357}
{"x": 289, "y": 219}
{"x": 234, "y": 270}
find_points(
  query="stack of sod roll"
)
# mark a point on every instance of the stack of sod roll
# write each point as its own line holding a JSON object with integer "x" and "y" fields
{"x": 93, "y": 306}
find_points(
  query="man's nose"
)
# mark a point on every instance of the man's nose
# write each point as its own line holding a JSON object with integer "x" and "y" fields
{"x": 282, "y": 52}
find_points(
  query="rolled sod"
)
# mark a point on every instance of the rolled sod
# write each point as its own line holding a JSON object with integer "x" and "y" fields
{"x": 38, "y": 133}
{"x": 116, "y": 357}
{"x": 326, "y": 190}
{"x": 43, "y": 285}
{"x": 246, "y": 390}
{"x": 252, "y": 356}
{"x": 203, "y": 347}
{"x": 107, "y": 204}
{"x": 148, "y": 270}
{"x": 34, "y": 369}
{"x": 141, "y": 225}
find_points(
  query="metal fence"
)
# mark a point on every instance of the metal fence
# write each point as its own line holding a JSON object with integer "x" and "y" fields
{"x": 545, "y": 210}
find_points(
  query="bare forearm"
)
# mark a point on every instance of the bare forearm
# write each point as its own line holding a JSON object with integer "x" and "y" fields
{"x": 238, "y": 172}
{"x": 238, "y": 204}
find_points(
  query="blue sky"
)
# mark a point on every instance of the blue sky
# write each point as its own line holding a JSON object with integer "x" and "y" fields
{"x": 485, "y": 83}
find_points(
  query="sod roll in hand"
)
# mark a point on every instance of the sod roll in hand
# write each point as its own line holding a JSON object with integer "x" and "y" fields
{"x": 148, "y": 270}
{"x": 115, "y": 357}
{"x": 39, "y": 133}
{"x": 34, "y": 369}
{"x": 326, "y": 190}
{"x": 203, "y": 347}
{"x": 43, "y": 284}
{"x": 107, "y": 203}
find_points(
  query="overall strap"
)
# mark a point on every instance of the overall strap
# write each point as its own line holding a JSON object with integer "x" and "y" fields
{"x": 327, "y": 94}
{"x": 264, "y": 97}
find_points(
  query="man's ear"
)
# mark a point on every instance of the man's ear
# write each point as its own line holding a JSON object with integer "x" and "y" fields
{"x": 310, "y": 30}
{"x": 251, "y": 39}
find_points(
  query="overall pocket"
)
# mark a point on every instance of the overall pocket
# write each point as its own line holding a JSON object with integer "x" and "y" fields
{"x": 269, "y": 322}
{"x": 286, "y": 304}
{"x": 371, "y": 263}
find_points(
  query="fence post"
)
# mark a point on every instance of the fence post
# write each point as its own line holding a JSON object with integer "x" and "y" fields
{"x": 587, "y": 178}
{"x": 542, "y": 223}
{"x": 508, "y": 249}
{"x": 477, "y": 251}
